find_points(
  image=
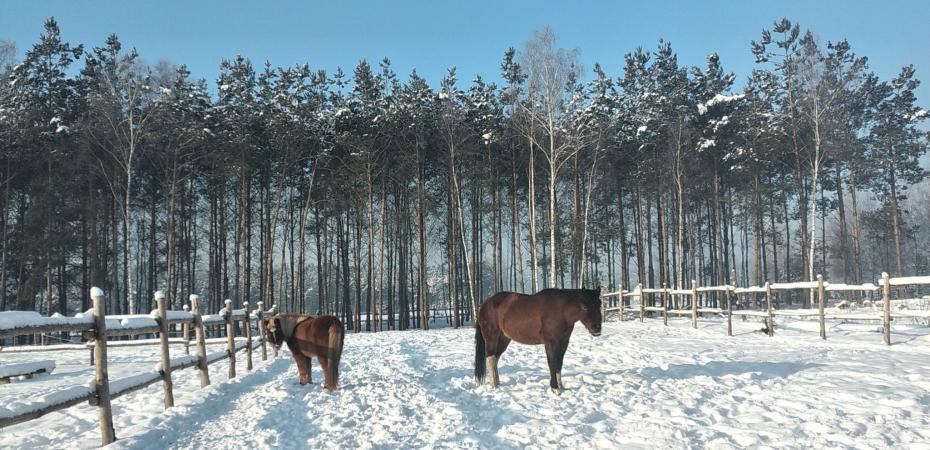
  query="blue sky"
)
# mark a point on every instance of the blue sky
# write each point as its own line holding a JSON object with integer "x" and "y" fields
{"x": 434, "y": 35}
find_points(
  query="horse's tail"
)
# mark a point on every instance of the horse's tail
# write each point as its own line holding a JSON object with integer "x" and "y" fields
{"x": 480, "y": 357}
{"x": 337, "y": 334}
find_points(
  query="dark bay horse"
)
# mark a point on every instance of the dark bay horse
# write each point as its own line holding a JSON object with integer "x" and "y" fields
{"x": 306, "y": 337}
{"x": 546, "y": 318}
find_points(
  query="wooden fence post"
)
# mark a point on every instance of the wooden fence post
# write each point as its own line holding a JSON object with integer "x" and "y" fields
{"x": 642, "y": 302}
{"x": 886, "y": 308}
{"x": 665, "y": 299}
{"x": 620, "y": 298}
{"x": 821, "y": 303}
{"x": 101, "y": 377}
{"x": 261, "y": 329}
{"x": 768, "y": 301}
{"x": 186, "y": 333}
{"x": 726, "y": 298}
{"x": 230, "y": 339}
{"x": 200, "y": 342}
{"x": 694, "y": 303}
{"x": 248, "y": 337}
{"x": 165, "y": 354}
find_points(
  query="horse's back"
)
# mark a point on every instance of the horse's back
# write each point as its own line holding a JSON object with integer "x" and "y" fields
{"x": 318, "y": 327}
{"x": 520, "y": 317}
{"x": 497, "y": 302}
{"x": 326, "y": 321}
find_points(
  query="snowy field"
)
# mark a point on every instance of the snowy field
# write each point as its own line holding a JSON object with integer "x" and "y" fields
{"x": 636, "y": 386}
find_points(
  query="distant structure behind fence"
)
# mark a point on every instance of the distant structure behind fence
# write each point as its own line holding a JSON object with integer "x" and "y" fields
{"x": 727, "y": 301}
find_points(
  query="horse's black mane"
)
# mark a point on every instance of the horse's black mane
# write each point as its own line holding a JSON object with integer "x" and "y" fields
{"x": 590, "y": 297}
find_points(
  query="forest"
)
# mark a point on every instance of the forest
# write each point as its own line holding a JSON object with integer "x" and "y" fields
{"x": 383, "y": 197}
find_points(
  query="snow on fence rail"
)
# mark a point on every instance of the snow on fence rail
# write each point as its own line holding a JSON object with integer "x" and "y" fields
{"x": 27, "y": 369}
{"x": 614, "y": 301}
{"x": 96, "y": 326}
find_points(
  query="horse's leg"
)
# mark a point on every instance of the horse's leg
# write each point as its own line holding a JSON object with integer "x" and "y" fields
{"x": 309, "y": 361}
{"x": 324, "y": 364}
{"x": 560, "y": 356}
{"x": 298, "y": 361}
{"x": 491, "y": 341}
{"x": 502, "y": 343}
{"x": 303, "y": 367}
{"x": 552, "y": 347}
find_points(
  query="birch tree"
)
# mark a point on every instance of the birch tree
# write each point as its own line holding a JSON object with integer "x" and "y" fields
{"x": 548, "y": 70}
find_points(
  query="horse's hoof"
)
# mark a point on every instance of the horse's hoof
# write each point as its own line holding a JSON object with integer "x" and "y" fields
{"x": 556, "y": 391}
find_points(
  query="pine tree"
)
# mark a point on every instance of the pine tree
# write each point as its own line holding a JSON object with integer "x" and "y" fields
{"x": 896, "y": 145}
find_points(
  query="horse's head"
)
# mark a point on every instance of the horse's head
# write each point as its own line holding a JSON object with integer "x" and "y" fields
{"x": 273, "y": 333}
{"x": 590, "y": 300}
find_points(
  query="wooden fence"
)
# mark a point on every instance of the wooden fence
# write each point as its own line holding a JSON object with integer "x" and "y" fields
{"x": 98, "y": 328}
{"x": 616, "y": 301}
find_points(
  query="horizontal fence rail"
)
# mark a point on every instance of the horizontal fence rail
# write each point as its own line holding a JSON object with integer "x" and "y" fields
{"x": 96, "y": 327}
{"x": 618, "y": 301}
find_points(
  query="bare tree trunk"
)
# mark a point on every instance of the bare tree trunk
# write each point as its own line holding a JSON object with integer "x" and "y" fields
{"x": 305, "y": 214}
{"x": 468, "y": 263}
{"x": 679, "y": 184}
{"x": 575, "y": 232}
{"x": 371, "y": 254}
{"x": 553, "y": 221}
{"x": 649, "y": 236}
{"x": 787, "y": 274}
{"x": 624, "y": 250}
{"x": 757, "y": 231}
{"x": 844, "y": 231}
{"x": 719, "y": 231}
{"x": 774, "y": 237}
{"x": 531, "y": 197}
{"x": 497, "y": 278}
{"x": 381, "y": 259}
{"x": 169, "y": 231}
{"x": 422, "y": 288}
{"x": 584, "y": 226}
{"x": 453, "y": 246}
{"x": 856, "y": 242}
{"x": 640, "y": 256}
{"x": 517, "y": 231}
{"x": 357, "y": 317}
{"x": 320, "y": 251}
{"x": 3, "y": 250}
{"x": 48, "y": 245}
{"x": 895, "y": 223}
{"x": 114, "y": 256}
{"x": 815, "y": 177}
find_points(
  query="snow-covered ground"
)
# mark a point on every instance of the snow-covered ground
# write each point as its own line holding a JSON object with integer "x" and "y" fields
{"x": 638, "y": 385}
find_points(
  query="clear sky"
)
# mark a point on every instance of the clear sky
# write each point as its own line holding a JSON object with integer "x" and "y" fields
{"x": 434, "y": 35}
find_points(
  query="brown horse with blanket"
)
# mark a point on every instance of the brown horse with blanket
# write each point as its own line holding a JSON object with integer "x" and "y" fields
{"x": 307, "y": 336}
{"x": 547, "y": 317}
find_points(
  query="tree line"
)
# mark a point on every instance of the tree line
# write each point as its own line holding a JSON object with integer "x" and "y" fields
{"x": 381, "y": 198}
